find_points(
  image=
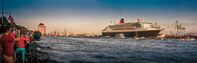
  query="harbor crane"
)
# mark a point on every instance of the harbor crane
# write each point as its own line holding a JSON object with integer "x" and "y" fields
{"x": 178, "y": 29}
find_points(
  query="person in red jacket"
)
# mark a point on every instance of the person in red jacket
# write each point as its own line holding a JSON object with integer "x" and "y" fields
{"x": 21, "y": 47}
{"x": 7, "y": 46}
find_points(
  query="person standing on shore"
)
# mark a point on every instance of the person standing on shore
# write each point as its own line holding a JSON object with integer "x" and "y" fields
{"x": 20, "y": 47}
{"x": 27, "y": 42}
{"x": 7, "y": 45}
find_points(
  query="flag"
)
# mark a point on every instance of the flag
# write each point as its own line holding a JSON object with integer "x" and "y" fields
{"x": 11, "y": 19}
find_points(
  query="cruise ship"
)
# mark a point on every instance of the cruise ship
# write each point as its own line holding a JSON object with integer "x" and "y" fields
{"x": 140, "y": 28}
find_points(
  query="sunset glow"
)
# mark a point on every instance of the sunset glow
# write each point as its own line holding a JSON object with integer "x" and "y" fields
{"x": 91, "y": 16}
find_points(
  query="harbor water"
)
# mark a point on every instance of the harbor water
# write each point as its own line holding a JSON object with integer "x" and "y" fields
{"x": 111, "y": 50}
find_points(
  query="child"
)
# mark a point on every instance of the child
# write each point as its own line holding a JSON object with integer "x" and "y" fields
{"x": 21, "y": 47}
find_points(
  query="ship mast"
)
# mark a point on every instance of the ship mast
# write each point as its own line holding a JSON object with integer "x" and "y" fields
{"x": 179, "y": 29}
{"x": 65, "y": 31}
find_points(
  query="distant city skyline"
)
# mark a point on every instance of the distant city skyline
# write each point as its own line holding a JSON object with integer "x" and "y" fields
{"x": 91, "y": 16}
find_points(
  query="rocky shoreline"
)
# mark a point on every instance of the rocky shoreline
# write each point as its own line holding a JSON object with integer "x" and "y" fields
{"x": 36, "y": 56}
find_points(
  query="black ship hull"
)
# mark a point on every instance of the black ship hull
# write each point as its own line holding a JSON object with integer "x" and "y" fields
{"x": 195, "y": 37}
{"x": 146, "y": 33}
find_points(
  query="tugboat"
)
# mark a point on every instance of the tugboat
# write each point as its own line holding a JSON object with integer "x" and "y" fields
{"x": 194, "y": 35}
{"x": 132, "y": 29}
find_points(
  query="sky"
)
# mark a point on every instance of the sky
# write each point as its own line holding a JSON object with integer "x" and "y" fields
{"x": 91, "y": 16}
